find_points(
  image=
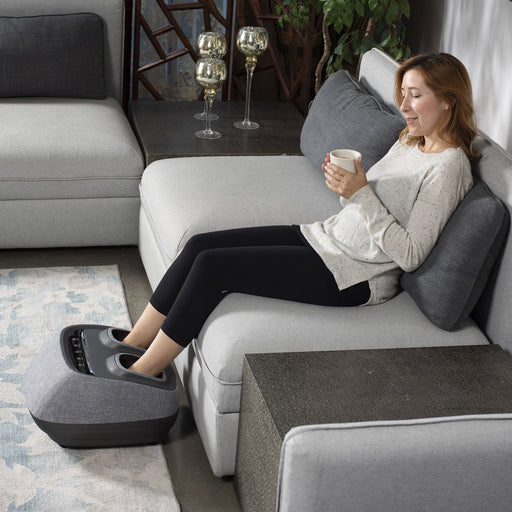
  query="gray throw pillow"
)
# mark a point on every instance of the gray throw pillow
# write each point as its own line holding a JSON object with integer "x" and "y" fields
{"x": 52, "y": 56}
{"x": 344, "y": 116}
{"x": 449, "y": 283}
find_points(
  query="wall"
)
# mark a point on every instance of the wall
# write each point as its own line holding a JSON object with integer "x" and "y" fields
{"x": 479, "y": 33}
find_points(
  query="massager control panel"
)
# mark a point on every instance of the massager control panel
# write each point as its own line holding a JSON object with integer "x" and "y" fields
{"x": 79, "y": 351}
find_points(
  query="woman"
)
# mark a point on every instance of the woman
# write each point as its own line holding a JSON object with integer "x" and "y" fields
{"x": 390, "y": 219}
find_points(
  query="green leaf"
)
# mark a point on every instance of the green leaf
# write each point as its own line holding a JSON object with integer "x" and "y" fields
{"x": 396, "y": 53}
{"x": 328, "y": 5}
{"x": 379, "y": 12}
{"x": 338, "y": 26}
{"x": 393, "y": 12}
{"x": 339, "y": 49}
{"x": 344, "y": 38}
{"x": 355, "y": 41}
{"x": 385, "y": 37}
{"x": 360, "y": 9}
{"x": 349, "y": 20}
{"x": 372, "y": 4}
{"x": 406, "y": 8}
{"x": 393, "y": 42}
{"x": 347, "y": 56}
{"x": 367, "y": 43}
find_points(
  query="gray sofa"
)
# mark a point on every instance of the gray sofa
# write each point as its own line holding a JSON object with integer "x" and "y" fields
{"x": 70, "y": 164}
{"x": 181, "y": 197}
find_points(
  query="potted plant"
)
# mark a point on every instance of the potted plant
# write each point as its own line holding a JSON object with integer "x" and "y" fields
{"x": 349, "y": 29}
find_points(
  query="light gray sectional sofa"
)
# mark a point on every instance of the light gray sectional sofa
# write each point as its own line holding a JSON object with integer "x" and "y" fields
{"x": 70, "y": 169}
{"x": 181, "y": 197}
{"x": 70, "y": 164}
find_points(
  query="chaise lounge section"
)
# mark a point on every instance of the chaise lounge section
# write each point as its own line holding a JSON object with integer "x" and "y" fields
{"x": 181, "y": 197}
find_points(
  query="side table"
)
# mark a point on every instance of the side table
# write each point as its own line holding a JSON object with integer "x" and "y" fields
{"x": 166, "y": 129}
{"x": 285, "y": 390}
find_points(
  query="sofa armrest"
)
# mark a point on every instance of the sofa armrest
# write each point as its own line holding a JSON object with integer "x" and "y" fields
{"x": 459, "y": 463}
{"x": 377, "y": 75}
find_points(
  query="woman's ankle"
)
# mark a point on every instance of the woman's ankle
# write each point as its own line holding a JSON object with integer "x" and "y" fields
{"x": 132, "y": 340}
{"x": 145, "y": 329}
{"x": 161, "y": 352}
{"x": 141, "y": 367}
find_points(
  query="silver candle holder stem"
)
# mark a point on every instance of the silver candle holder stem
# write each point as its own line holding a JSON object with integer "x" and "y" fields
{"x": 252, "y": 42}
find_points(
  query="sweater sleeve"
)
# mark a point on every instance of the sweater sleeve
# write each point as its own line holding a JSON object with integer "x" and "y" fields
{"x": 442, "y": 189}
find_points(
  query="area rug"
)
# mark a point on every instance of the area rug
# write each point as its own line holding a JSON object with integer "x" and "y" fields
{"x": 36, "y": 474}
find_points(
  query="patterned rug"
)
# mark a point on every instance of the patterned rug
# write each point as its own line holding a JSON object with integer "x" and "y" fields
{"x": 36, "y": 474}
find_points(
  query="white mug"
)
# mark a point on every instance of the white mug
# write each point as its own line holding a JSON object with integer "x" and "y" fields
{"x": 345, "y": 158}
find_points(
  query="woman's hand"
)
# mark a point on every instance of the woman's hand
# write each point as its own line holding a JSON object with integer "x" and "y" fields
{"x": 343, "y": 182}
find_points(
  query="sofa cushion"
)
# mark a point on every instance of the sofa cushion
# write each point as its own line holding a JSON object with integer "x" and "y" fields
{"x": 185, "y": 196}
{"x": 246, "y": 324}
{"x": 449, "y": 283}
{"x": 52, "y": 56}
{"x": 78, "y": 149}
{"x": 344, "y": 116}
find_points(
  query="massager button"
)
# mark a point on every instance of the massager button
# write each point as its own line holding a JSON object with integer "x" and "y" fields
{"x": 82, "y": 367}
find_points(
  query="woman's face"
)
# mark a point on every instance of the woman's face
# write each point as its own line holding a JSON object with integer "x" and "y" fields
{"x": 422, "y": 109}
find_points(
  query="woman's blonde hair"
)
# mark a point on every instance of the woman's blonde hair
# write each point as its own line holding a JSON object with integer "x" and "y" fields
{"x": 447, "y": 77}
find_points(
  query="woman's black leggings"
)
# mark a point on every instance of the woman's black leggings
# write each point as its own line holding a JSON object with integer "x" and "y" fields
{"x": 273, "y": 261}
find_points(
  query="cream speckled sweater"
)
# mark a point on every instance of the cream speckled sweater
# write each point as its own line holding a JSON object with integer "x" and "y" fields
{"x": 393, "y": 223}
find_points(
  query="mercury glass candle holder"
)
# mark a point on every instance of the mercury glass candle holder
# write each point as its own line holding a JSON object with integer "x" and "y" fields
{"x": 252, "y": 42}
{"x": 210, "y": 44}
{"x": 210, "y": 74}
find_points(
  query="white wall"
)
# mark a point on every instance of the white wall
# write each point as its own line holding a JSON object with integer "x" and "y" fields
{"x": 479, "y": 33}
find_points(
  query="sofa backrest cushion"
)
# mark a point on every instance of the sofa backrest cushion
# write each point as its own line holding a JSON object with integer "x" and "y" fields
{"x": 449, "y": 283}
{"x": 111, "y": 11}
{"x": 52, "y": 56}
{"x": 344, "y": 116}
{"x": 493, "y": 311}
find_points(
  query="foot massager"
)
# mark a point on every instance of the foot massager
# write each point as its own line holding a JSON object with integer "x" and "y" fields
{"x": 80, "y": 391}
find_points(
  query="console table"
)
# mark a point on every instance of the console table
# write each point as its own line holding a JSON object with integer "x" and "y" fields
{"x": 166, "y": 129}
{"x": 281, "y": 391}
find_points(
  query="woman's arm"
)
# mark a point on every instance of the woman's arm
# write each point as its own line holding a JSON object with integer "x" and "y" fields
{"x": 440, "y": 193}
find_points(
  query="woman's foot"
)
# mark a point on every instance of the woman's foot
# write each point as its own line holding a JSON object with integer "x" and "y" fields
{"x": 145, "y": 329}
{"x": 161, "y": 352}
